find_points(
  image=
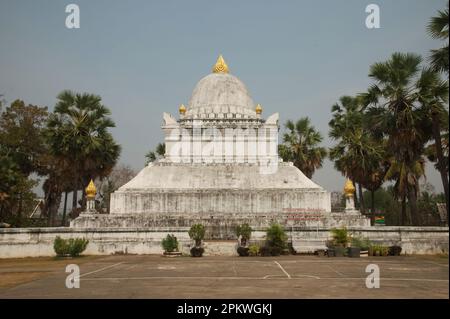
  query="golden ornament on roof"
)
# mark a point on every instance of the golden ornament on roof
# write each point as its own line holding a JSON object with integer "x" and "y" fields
{"x": 182, "y": 109}
{"x": 258, "y": 109}
{"x": 220, "y": 66}
{"x": 91, "y": 191}
{"x": 349, "y": 189}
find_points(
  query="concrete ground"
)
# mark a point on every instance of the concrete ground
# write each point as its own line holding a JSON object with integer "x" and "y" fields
{"x": 225, "y": 277}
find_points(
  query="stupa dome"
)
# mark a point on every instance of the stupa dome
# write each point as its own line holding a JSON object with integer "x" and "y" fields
{"x": 220, "y": 95}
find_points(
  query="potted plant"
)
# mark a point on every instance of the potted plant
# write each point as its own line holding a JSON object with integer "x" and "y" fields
{"x": 340, "y": 241}
{"x": 197, "y": 233}
{"x": 358, "y": 247}
{"x": 276, "y": 240}
{"x": 170, "y": 246}
{"x": 253, "y": 250}
{"x": 243, "y": 231}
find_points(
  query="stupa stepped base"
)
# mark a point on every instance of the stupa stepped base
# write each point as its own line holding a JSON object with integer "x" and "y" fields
{"x": 220, "y": 226}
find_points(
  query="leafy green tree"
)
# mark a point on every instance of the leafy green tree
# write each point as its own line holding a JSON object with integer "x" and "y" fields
{"x": 158, "y": 153}
{"x": 22, "y": 149}
{"x": 300, "y": 146}
{"x": 21, "y": 128}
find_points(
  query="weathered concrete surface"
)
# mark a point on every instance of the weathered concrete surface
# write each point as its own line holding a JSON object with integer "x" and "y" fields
{"x": 34, "y": 242}
{"x": 218, "y": 189}
{"x": 230, "y": 277}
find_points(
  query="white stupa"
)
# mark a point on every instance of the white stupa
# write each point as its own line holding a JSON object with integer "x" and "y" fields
{"x": 221, "y": 163}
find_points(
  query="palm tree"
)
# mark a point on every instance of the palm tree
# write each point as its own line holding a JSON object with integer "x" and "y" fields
{"x": 300, "y": 146}
{"x": 396, "y": 113}
{"x": 159, "y": 152}
{"x": 433, "y": 96}
{"x": 406, "y": 176}
{"x": 438, "y": 29}
{"x": 358, "y": 154}
{"x": 78, "y": 133}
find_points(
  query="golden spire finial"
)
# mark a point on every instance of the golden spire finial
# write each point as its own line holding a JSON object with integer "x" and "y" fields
{"x": 220, "y": 66}
{"x": 182, "y": 109}
{"x": 349, "y": 189}
{"x": 91, "y": 190}
{"x": 258, "y": 109}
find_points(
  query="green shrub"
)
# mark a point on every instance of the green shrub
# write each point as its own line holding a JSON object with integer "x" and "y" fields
{"x": 362, "y": 243}
{"x": 379, "y": 250}
{"x": 253, "y": 250}
{"x": 170, "y": 243}
{"x": 276, "y": 236}
{"x": 60, "y": 246}
{"x": 197, "y": 233}
{"x": 69, "y": 247}
{"x": 340, "y": 237}
{"x": 245, "y": 231}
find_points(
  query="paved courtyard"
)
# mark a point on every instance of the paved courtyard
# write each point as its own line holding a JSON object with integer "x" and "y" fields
{"x": 225, "y": 277}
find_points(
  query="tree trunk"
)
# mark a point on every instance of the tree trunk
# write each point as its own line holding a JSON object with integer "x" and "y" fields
{"x": 361, "y": 199}
{"x": 403, "y": 221}
{"x": 56, "y": 200}
{"x": 19, "y": 210}
{"x": 64, "y": 210}
{"x": 440, "y": 157}
{"x": 412, "y": 198}
{"x": 372, "y": 208}
{"x": 74, "y": 198}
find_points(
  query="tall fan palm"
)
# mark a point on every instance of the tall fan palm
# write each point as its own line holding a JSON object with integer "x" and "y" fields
{"x": 433, "y": 96}
{"x": 300, "y": 146}
{"x": 438, "y": 29}
{"x": 396, "y": 113}
{"x": 78, "y": 132}
{"x": 358, "y": 155}
{"x": 405, "y": 175}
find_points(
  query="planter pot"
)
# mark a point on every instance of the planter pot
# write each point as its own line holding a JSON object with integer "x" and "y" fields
{"x": 339, "y": 251}
{"x": 364, "y": 253}
{"x": 331, "y": 252}
{"x": 242, "y": 251}
{"x": 353, "y": 252}
{"x": 172, "y": 254}
{"x": 197, "y": 251}
{"x": 395, "y": 250}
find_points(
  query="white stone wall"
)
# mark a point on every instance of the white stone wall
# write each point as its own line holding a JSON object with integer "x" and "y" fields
{"x": 35, "y": 242}
{"x": 172, "y": 201}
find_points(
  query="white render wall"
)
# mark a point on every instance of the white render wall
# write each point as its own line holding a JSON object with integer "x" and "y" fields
{"x": 36, "y": 242}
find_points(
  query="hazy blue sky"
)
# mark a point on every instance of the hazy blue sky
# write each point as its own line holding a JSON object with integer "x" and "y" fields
{"x": 145, "y": 57}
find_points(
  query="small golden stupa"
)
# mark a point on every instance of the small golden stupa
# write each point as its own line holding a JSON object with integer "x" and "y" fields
{"x": 258, "y": 109}
{"x": 220, "y": 66}
{"x": 182, "y": 109}
{"x": 91, "y": 191}
{"x": 349, "y": 188}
